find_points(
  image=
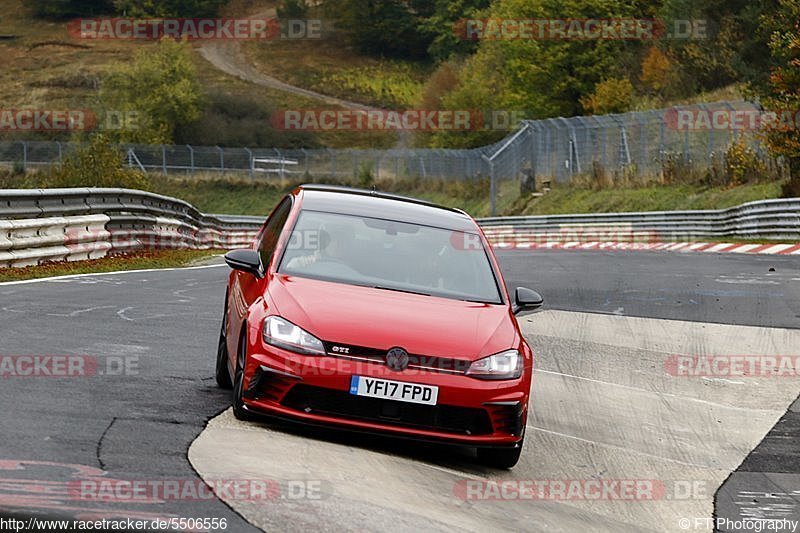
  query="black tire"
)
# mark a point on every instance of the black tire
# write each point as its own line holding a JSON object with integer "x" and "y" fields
{"x": 239, "y": 409}
{"x": 222, "y": 373}
{"x": 505, "y": 457}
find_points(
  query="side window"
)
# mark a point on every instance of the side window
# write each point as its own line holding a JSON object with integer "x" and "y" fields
{"x": 272, "y": 231}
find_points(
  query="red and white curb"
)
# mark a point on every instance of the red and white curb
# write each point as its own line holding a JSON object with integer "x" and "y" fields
{"x": 721, "y": 247}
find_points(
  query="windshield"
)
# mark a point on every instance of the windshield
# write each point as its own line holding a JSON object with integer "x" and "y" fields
{"x": 390, "y": 255}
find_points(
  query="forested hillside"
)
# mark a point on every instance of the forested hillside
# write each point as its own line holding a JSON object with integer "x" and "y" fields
{"x": 694, "y": 50}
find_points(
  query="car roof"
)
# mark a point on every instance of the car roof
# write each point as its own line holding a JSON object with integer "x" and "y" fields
{"x": 375, "y": 204}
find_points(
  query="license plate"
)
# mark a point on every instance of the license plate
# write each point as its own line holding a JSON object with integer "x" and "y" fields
{"x": 394, "y": 390}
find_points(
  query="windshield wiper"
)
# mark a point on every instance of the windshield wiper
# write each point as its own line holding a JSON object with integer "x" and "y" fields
{"x": 399, "y": 290}
{"x": 484, "y": 302}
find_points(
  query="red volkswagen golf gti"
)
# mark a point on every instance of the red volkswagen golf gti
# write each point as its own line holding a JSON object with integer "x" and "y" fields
{"x": 377, "y": 313}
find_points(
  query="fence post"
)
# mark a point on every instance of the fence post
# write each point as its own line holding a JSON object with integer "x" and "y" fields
{"x": 191, "y": 157}
{"x": 282, "y": 171}
{"x": 305, "y": 158}
{"x": 250, "y": 163}
{"x": 164, "y": 159}
{"x": 686, "y": 146}
{"x": 643, "y": 147}
{"x": 24, "y": 155}
{"x": 533, "y": 146}
{"x": 492, "y": 186}
{"x": 221, "y": 160}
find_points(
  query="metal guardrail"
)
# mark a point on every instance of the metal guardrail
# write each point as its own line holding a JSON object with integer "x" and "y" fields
{"x": 30, "y": 241}
{"x": 777, "y": 219}
{"x": 38, "y": 225}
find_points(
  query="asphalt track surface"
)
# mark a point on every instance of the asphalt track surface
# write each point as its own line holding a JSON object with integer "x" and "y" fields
{"x": 140, "y": 425}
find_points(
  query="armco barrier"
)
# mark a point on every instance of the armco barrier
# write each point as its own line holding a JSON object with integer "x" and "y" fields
{"x": 763, "y": 220}
{"x": 39, "y": 225}
{"x": 30, "y": 241}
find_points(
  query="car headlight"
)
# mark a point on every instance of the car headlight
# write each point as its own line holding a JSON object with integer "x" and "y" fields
{"x": 283, "y": 334}
{"x": 503, "y": 365}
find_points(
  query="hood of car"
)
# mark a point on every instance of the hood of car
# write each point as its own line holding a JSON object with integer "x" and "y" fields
{"x": 382, "y": 319}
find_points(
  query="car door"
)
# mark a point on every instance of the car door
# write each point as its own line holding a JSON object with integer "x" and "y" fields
{"x": 247, "y": 288}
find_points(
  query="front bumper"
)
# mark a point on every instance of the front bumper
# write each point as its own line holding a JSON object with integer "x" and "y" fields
{"x": 315, "y": 389}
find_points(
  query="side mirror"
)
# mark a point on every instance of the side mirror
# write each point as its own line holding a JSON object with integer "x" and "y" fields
{"x": 526, "y": 300}
{"x": 246, "y": 261}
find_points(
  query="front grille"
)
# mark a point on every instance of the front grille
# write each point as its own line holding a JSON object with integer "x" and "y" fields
{"x": 445, "y": 418}
{"x": 378, "y": 356}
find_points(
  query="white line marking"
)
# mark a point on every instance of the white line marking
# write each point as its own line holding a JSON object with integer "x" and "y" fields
{"x": 628, "y": 387}
{"x": 80, "y": 311}
{"x": 121, "y": 314}
{"x": 723, "y": 380}
{"x": 455, "y": 472}
{"x": 97, "y": 274}
{"x": 628, "y": 450}
{"x": 753, "y": 281}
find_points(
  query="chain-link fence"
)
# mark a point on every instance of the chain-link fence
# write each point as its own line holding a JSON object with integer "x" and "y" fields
{"x": 637, "y": 143}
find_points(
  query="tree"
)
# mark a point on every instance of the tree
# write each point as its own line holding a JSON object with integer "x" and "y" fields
{"x": 732, "y": 49}
{"x": 658, "y": 73}
{"x": 614, "y": 95}
{"x": 65, "y": 9}
{"x": 545, "y": 78}
{"x": 160, "y": 85}
{"x": 384, "y": 27}
{"x": 292, "y": 9}
{"x": 95, "y": 164}
{"x": 169, "y": 8}
{"x": 442, "y": 26}
{"x": 780, "y": 89}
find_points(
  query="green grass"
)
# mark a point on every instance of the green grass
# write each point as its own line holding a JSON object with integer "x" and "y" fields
{"x": 331, "y": 67}
{"x": 569, "y": 200}
{"x": 132, "y": 261}
{"x": 388, "y": 84}
{"x": 223, "y": 195}
{"x": 242, "y": 196}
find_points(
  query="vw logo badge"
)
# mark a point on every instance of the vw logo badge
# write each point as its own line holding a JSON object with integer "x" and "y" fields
{"x": 397, "y": 359}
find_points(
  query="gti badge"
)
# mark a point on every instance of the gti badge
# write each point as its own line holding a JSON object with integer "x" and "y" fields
{"x": 397, "y": 359}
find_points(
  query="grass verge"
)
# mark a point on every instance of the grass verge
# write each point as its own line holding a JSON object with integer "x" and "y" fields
{"x": 131, "y": 261}
{"x": 568, "y": 200}
{"x": 243, "y": 196}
